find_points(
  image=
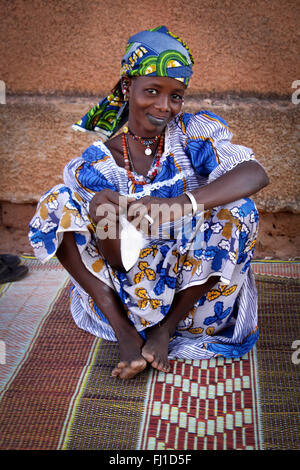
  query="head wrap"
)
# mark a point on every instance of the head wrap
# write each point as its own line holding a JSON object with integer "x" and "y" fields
{"x": 156, "y": 52}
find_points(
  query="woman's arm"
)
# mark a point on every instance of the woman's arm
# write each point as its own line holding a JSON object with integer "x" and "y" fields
{"x": 104, "y": 211}
{"x": 245, "y": 179}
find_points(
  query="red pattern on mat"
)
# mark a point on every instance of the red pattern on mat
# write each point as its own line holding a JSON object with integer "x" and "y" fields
{"x": 35, "y": 404}
{"x": 277, "y": 269}
{"x": 203, "y": 405}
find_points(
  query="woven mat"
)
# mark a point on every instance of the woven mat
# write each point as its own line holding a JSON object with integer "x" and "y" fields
{"x": 57, "y": 392}
{"x": 278, "y": 353}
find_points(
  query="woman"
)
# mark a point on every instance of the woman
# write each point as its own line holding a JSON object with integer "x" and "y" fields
{"x": 178, "y": 300}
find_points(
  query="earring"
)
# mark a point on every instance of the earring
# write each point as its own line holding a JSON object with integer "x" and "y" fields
{"x": 125, "y": 90}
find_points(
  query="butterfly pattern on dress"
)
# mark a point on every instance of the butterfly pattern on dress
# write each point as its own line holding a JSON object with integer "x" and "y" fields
{"x": 144, "y": 299}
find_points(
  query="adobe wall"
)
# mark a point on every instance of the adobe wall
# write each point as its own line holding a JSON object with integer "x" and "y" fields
{"x": 75, "y": 46}
{"x": 39, "y": 142}
{"x": 58, "y": 58}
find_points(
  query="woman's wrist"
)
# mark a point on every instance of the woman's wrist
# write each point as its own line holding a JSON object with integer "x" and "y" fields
{"x": 186, "y": 204}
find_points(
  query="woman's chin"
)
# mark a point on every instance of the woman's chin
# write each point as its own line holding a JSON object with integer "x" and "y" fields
{"x": 153, "y": 128}
{"x": 150, "y": 128}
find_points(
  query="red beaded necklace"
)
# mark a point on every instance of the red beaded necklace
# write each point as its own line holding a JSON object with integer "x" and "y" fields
{"x": 145, "y": 141}
{"x": 152, "y": 172}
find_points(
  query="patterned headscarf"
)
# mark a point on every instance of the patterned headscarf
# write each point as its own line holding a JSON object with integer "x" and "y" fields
{"x": 156, "y": 52}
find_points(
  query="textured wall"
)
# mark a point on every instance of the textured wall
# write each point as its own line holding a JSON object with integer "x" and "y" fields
{"x": 59, "y": 51}
{"x": 39, "y": 141}
{"x": 75, "y": 46}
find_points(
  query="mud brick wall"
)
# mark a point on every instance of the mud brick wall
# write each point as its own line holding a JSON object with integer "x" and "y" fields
{"x": 59, "y": 58}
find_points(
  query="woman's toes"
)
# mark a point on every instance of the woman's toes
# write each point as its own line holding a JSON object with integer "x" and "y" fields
{"x": 125, "y": 370}
{"x": 133, "y": 369}
{"x": 117, "y": 370}
{"x": 158, "y": 358}
{"x": 165, "y": 366}
{"x": 148, "y": 356}
{"x": 156, "y": 364}
{"x": 160, "y": 363}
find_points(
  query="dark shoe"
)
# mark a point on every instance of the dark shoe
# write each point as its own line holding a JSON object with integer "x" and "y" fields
{"x": 11, "y": 274}
{"x": 10, "y": 260}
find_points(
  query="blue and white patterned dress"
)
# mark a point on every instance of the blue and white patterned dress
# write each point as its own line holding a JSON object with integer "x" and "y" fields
{"x": 197, "y": 151}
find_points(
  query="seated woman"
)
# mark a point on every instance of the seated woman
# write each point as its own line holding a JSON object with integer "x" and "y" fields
{"x": 178, "y": 300}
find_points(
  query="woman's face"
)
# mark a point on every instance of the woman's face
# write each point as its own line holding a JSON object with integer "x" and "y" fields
{"x": 153, "y": 102}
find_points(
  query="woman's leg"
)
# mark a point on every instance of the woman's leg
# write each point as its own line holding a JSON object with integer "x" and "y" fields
{"x": 234, "y": 239}
{"x": 155, "y": 349}
{"x": 107, "y": 300}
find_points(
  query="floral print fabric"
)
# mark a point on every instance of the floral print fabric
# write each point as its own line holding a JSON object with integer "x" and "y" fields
{"x": 222, "y": 322}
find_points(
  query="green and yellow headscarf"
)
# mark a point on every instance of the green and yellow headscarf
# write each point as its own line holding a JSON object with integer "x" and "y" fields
{"x": 156, "y": 52}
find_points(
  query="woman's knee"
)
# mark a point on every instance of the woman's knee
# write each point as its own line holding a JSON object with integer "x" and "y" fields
{"x": 243, "y": 210}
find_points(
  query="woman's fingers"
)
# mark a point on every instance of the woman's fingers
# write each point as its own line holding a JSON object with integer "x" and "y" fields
{"x": 138, "y": 215}
{"x": 106, "y": 203}
{"x": 146, "y": 214}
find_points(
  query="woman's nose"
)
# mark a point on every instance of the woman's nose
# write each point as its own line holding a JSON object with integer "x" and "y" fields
{"x": 163, "y": 103}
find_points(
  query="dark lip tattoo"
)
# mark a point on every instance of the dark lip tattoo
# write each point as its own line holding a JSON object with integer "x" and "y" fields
{"x": 157, "y": 121}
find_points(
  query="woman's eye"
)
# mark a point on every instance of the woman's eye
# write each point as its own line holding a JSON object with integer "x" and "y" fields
{"x": 152, "y": 91}
{"x": 177, "y": 97}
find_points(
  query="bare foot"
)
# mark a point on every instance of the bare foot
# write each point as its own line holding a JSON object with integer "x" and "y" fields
{"x": 131, "y": 361}
{"x": 155, "y": 350}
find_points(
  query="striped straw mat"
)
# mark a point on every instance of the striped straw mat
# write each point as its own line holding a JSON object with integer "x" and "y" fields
{"x": 57, "y": 392}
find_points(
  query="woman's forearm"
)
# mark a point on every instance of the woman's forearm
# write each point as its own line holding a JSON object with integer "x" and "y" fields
{"x": 104, "y": 211}
{"x": 245, "y": 179}
{"x": 111, "y": 251}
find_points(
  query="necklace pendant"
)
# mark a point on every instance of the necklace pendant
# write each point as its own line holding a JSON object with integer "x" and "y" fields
{"x": 148, "y": 151}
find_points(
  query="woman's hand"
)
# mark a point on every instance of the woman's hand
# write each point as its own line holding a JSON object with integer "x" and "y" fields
{"x": 105, "y": 204}
{"x": 154, "y": 211}
{"x": 105, "y": 210}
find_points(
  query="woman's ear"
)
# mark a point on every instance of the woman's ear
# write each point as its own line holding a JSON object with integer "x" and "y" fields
{"x": 126, "y": 84}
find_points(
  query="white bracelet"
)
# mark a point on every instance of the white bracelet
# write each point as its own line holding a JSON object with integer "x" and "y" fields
{"x": 193, "y": 202}
{"x": 150, "y": 220}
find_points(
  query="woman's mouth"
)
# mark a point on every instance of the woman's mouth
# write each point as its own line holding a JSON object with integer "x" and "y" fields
{"x": 156, "y": 121}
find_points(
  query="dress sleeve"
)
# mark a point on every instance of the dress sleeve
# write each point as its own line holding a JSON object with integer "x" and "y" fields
{"x": 89, "y": 173}
{"x": 208, "y": 144}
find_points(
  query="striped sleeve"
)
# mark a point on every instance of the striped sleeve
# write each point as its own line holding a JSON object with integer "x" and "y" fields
{"x": 208, "y": 143}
